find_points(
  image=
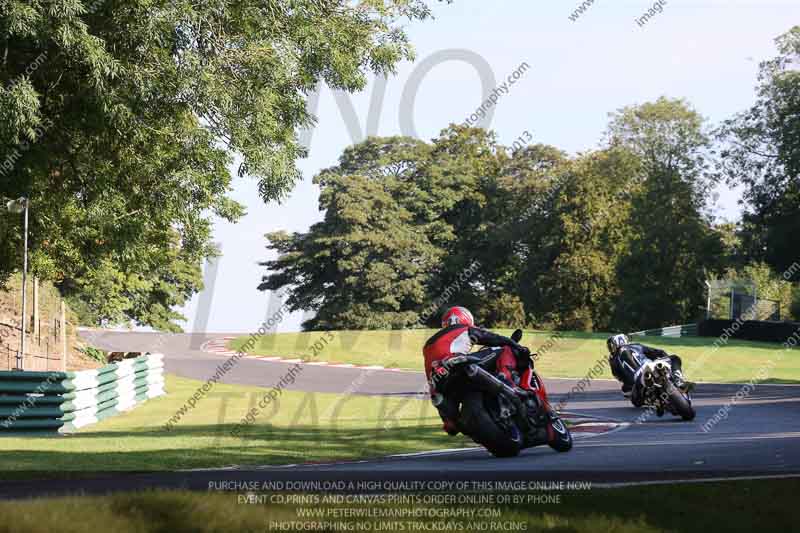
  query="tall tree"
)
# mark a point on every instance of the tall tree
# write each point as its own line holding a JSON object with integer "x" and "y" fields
{"x": 521, "y": 226}
{"x": 118, "y": 119}
{"x": 365, "y": 266}
{"x": 461, "y": 178}
{"x": 367, "y": 263}
{"x": 763, "y": 154}
{"x": 578, "y": 287}
{"x": 673, "y": 247}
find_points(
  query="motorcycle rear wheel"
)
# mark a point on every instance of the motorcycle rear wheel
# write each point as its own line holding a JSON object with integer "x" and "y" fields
{"x": 476, "y": 422}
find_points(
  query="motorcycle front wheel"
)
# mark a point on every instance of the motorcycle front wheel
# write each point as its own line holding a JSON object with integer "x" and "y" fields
{"x": 558, "y": 436}
{"x": 680, "y": 403}
{"x": 476, "y": 422}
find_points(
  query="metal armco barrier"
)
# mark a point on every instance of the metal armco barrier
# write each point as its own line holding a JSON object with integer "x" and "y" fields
{"x": 66, "y": 401}
{"x": 686, "y": 330}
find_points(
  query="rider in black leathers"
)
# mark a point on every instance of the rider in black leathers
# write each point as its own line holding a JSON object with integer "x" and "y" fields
{"x": 624, "y": 363}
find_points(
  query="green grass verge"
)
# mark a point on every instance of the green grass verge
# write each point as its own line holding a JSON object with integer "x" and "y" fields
{"x": 733, "y": 506}
{"x": 302, "y": 427}
{"x": 571, "y": 355}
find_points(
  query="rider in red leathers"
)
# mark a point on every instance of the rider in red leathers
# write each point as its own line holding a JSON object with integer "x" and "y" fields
{"x": 457, "y": 336}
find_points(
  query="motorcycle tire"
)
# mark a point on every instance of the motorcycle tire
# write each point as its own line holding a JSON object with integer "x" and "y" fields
{"x": 637, "y": 401}
{"x": 476, "y": 422}
{"x": 559, "y": 437}
{"x": 681, "y": 405}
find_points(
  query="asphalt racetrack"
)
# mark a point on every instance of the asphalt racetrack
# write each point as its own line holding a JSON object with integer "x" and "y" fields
{"x": 759, "y": 438}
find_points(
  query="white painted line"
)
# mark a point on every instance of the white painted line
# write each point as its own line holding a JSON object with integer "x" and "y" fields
{"x": 434, "y": 453}
{"x": 743, "y": 384}
{"x": 788, "y": 435}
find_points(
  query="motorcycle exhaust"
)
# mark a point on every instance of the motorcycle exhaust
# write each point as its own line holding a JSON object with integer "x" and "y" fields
{"x": 490, "y": 383}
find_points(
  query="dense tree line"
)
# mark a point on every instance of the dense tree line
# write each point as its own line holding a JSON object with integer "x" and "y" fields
{"x": 621, "y": 237}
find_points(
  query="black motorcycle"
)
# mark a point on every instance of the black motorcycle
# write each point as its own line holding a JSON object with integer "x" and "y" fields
{"x": 498, "y": 415}
{"x": 656, "y": 387}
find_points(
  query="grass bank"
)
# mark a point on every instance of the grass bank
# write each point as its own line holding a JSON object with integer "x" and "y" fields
{"x": 298, "y": 427}
{"x": 732, "y": 506}
{"x": 44, "y": 348}
{"x": 571, "y": 354}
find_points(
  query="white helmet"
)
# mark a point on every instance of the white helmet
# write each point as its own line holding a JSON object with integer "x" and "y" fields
{"x": 616, "y": 342}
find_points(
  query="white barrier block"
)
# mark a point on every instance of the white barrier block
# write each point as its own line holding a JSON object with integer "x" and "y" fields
{"x": 85, "y": 379}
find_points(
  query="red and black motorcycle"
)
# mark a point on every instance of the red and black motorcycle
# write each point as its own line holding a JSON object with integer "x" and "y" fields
{"x": 501, "y": 416}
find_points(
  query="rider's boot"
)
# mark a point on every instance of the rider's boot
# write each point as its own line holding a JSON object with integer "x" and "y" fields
{"x": 626, "y": 389}
{"x": 450, "y": 427}
{"x": 448, "y": 412}
{"x": 683, "y": 385}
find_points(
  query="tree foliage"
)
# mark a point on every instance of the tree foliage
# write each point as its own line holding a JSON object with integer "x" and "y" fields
{"x": 578, "y": 287}
{"x": 119, "y": 120}
{"x": 768, "y": 285}
{"x": 622, "y": 237}
{"x": 673, "y": 247}
{"x": 762, "y": 153}
{"x": 610, "y": 238}
{"x": 395, "y": 211}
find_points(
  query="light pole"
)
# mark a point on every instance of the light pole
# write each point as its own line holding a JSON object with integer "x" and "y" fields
{"x": 20, "y": 205}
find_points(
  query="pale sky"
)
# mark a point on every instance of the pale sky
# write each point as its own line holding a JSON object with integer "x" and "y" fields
{"x": 705, "y": 51}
